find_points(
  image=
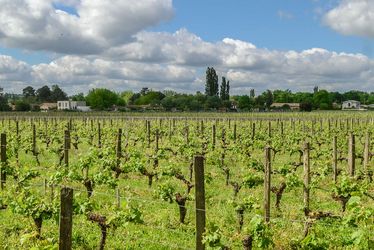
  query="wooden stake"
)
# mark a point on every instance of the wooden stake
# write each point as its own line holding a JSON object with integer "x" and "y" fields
{"x": 200, "y": 201}
{"x": 267, "y": 184}
{"x": 66, "y": 147}
{"x": 3, "y": 160}
{"x": 306, "y": 177}
{"x": 335, "y": 159}
{"x": 351, "y": 155}
{"x": 367, "y": 155}
{"x": 66, "y": 219}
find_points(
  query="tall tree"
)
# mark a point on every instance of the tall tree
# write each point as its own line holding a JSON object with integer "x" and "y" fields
{"x": 44, "y": 94}
{"x": 223, "y": 89}
{"x": 57, "y": 94}
{"x": 228, "y": 90}
{"x": 252, "y": 94}
{"x": 211, "y": 85}
{"x": 268, "y": 97}
{"x": 28, "y": 92}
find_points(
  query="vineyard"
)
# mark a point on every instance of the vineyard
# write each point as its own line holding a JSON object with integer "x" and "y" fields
{"x": 182, "y": 182}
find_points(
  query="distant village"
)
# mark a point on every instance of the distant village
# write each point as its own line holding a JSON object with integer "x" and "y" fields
{"x": 45, "y": 99}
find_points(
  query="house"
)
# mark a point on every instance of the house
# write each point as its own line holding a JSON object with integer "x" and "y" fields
{"x": 71, "y": 105}
{"x": 285, "y": 105}
{"x": 48, "y": 106}
{"x": 351, "y": 105}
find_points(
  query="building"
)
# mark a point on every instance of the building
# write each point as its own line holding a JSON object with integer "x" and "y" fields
{"x": 285, "y": 106}
{"x": 71, "y": 105}
{"x": 48, "y": 106}
{"x": 351, "y": 105}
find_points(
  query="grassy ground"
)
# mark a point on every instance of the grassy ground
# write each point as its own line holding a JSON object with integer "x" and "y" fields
{"x": 160, "y": 227}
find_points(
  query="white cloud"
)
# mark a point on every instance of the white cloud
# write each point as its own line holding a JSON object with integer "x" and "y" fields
{"x": 105, "y": 45}
{"x": 352, "y": 17}
{"x": 100, "y": 24}
{"x": 167, "y": 63}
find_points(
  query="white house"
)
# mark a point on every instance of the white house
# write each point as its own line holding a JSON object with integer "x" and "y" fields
{"x": 71, "y": 105}
{"x": 351, "y": 104}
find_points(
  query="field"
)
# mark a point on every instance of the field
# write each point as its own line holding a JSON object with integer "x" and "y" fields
{"x": 134, "y": 185}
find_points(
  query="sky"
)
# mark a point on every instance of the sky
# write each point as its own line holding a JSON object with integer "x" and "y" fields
{"x": 168, "y": 44}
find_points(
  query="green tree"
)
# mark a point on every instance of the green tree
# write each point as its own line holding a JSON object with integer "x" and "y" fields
{"x": 28, "y": 92}
{"x": 22, "y": 106}
{"x": 212, "y": 102}
{"x": 211, "y": 85}
{"x": 4, "y": 104}
{"x": 57, "y": 94}
{"x": 101, "y": 99}
{"x": 283, "y": 96}
{"x": 151, "y": 97}
{"x": 322, "y": 100}
{"x": 225, "y": 89}
{"x": 245, "y": 103}
{"x": 44, "y": 94}
{"x": 252, "y": 93}
{"x": 78, "y": 97}
{"x": 126, "y": 96}
{"x": 268, "y": 98}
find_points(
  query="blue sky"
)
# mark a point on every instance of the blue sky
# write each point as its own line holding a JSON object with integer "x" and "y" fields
{"x": 273, "y": 24}
{"x": 165, "y": 44}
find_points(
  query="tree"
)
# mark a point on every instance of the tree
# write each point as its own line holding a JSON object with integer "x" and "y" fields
{"x": 4, "y": 104}
{"x": 144, "y": 91}
{"x": 152, "y": 97}
{"x": 211, "y": 85}
{"x": 28, "y": 92}
{"x": 306, "y": 106}
{"x": 225, "y": 89}
{"x": 245, "y": 102}
{"x": 22, "y": 106}
{"x": 44, "y": 94}
{"x": 101, "y": 99}
{"x": 212, "y": 102}
{"x": 268, "y": 98}
{"x": 126, "y": 96}
{"x": 283, "y": 96}
{"x": 322, "y": 100}
{"x": 252, "y": 93}
{"x": 57, "y": 94}
{"x": 315, "y": 89}
{"x": 78, "y": 97}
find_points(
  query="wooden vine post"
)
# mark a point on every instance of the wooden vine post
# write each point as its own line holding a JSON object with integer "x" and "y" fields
{"x": 335, "y": 159}
{"x": 267, "y": 184}
{"x": 367, "y": 155}
{"x": 119, "y": 146}
{"x": 66, "y": 219}
{"x": 213, "y": 136}
{"x": 3, "y": 160}
{"x": 306, "y": 177}
{"x": 149, "y": 133}
{"x": 66, "y": 147}
{"x": 33, "y": 139}
{"x": 200, "y": 201}
{"x": 351, "y": 155}
{"x": 234, "y": 131}
{"x": 253, "y": 130}
{"x": 99, "y": 135}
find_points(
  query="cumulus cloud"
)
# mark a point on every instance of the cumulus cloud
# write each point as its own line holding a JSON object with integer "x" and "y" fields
{"x": 352, "y": 17}
{"x": 105, "y": 45}
{"x": 98, "y": 25}
{"x": 163, "y": 60}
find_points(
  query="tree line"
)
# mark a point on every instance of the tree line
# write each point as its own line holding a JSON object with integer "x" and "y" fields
{"x": 216, "y": 97}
